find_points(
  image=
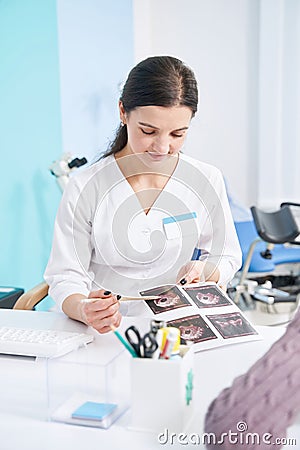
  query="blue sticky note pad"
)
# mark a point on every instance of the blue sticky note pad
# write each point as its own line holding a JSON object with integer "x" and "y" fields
{"x": 93, "y": 411}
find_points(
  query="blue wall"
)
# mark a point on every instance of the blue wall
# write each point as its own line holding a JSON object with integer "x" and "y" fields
{"x": 30, "y": 133}
{"x": 37, "y": 48}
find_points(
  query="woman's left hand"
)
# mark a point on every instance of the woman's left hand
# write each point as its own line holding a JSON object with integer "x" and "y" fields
{"x": 198, "y": 271}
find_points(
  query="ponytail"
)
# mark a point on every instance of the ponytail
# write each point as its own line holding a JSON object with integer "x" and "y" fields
{"x": 119, "y": 142}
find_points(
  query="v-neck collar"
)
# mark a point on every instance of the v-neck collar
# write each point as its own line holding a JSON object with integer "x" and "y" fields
{"x": 135, "y": 194}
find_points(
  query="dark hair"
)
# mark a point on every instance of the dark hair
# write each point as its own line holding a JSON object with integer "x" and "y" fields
{"x": 159, "y": 81}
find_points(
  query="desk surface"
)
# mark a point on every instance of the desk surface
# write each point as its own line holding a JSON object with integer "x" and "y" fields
{"x": 23, "y": 412}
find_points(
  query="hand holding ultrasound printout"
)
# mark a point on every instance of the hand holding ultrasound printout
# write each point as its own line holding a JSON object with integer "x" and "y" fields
{"x": 204, "y": 314}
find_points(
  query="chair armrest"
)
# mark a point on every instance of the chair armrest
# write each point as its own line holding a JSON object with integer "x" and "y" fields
{"x": 32, "y": 297}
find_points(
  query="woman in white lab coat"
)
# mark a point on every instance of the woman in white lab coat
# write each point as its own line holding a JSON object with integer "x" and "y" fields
{"x": 142, "y": 214}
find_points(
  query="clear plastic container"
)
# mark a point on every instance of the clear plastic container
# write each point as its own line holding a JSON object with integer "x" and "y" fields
{"x": 88, "y": 387}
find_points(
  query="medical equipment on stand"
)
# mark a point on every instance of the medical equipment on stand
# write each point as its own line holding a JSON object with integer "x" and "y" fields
{"x": 278, "y": 227}
{"x": 61, "y": 168}
{"x": 264, "y": 243}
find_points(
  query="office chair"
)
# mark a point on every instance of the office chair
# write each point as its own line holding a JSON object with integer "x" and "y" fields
{"x": 32, "y": 297}
{"x": 275, "y": 229}
{"x": 9, "y": 295}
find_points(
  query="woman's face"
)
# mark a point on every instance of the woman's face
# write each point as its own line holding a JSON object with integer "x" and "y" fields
{"x": 156, "y": 132}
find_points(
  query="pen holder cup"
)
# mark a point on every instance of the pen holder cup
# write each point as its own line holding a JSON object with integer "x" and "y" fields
{"x": 161, "y": 393}
{"x": 83, "y": 391}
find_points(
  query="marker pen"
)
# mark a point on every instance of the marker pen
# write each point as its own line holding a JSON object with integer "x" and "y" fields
{"x": 122, "y": 340}
{"x": 172, "y": 339}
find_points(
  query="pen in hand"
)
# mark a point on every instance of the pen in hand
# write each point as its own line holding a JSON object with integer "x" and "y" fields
{"x": 123, "y": 298}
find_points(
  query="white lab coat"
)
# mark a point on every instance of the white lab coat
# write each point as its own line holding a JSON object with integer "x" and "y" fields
{"x": 104, "y": 240}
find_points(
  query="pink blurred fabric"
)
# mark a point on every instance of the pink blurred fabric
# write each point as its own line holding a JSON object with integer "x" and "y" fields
{"x": 266, "y": 398}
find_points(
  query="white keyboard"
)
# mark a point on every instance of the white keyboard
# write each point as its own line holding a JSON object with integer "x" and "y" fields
{"x": 41, "y": 343}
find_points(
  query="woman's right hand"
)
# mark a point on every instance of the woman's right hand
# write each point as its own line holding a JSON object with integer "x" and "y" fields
{"x": 102, "y": 311}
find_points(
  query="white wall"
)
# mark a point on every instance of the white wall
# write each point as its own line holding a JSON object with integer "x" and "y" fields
{"x": 279, "y": 102}
{"x": 219, "y": 40}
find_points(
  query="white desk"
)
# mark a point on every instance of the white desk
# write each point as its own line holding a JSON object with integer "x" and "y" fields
{"x": 23, "y": 422}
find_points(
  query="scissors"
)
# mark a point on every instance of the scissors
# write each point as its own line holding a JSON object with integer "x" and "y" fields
{"x": 155, "y": 325}
{"x": 143, "y": 346}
